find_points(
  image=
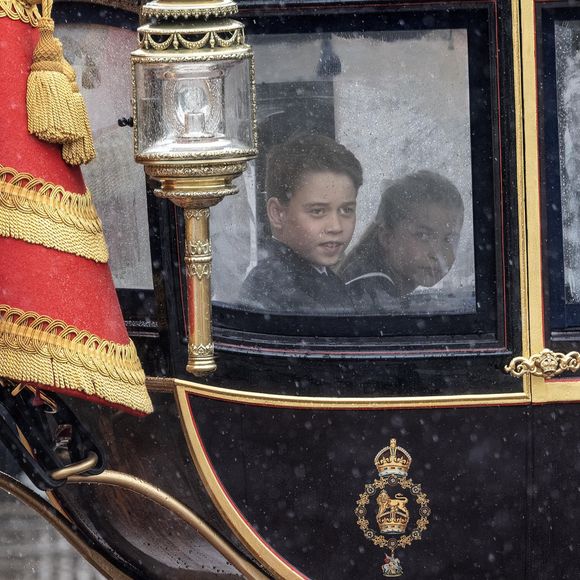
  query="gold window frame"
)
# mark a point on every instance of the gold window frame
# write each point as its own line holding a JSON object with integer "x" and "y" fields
{"x": 545, "y": 386}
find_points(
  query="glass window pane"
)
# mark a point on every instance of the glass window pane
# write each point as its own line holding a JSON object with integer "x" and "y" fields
{"x": 410, "y": 132}
{"x": 567, "y": 41}
{"x": 115, "y": 180}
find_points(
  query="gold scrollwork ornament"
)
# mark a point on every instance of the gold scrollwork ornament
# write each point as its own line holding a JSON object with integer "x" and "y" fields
{"x": 196, "y": 269}
{"x": 547, "y": 364}
{"x": 196, "y": 213}
{"x": 392, "y": 514}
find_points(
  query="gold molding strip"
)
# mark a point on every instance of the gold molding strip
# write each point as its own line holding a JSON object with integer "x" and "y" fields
{"x": 172, "y": 385}
{"x": 40, "y": 212}
{"x": 40, "y": 349}
{"x": 532, "y": 186}
{"x": 229, "y": 512}
{"x": 64, "y": 527}
{"x": 521, "y": 179}
{"x": 26, "y": 12}
{"x": 148, "y": 491}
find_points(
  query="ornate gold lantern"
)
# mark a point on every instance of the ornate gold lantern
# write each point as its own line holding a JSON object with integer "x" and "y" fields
{"x": 195, "y": 130}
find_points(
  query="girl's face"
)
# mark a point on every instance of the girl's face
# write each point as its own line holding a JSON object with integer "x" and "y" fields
{"x": 420, "y": 249}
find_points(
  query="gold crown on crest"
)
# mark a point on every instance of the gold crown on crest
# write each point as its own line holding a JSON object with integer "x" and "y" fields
{"x": 393, "y": 460}
{"x": 393, "y": 515}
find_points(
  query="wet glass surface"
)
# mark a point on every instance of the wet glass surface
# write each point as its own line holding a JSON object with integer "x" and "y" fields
{"x": 115, "y": 180}
{"x": 558, "y": 90}
{"x": 567, "y": 40}
{"x": 356, "y": 88}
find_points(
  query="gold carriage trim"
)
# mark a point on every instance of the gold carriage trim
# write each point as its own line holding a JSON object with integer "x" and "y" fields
{"x": 547, "y": 364}
{"x": 26, "y": 12}
{"x": 40, "y": 349}
{"x": 41, "y": 212}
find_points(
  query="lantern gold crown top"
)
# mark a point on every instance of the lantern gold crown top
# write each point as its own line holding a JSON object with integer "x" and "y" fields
{"x": 165, "y": 9}
{"x": 393, "y": 460}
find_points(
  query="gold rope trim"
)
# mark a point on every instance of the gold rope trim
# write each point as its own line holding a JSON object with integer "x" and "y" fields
{"x": 19, "y": 10}
{"x": 40, "y": 212}
{"x": 40, "y": 349}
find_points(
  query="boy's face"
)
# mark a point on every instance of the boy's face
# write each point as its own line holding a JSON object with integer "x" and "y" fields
{"x": 318, "y": 221}
{"x": 420, "y": 250}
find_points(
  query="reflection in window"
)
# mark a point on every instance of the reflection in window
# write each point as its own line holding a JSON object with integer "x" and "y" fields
{"x": 567, "y": 39}
{"x": 115, "y": 180}
{"x": 399, "y": 101}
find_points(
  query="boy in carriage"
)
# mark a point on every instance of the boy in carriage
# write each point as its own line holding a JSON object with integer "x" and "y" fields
{"x": 312, "y": 184}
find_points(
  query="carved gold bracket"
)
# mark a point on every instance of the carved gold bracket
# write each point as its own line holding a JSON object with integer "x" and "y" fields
{"x": 547, "y": 364}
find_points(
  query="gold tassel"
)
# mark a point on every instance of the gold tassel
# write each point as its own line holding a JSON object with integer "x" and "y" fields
{"x": 81, "y": 149}
{"x": 56, "y": 110}
{"x": 48, "y": 90}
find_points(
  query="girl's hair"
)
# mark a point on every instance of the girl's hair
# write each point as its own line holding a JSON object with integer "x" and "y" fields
{"x": 398, "y": 201}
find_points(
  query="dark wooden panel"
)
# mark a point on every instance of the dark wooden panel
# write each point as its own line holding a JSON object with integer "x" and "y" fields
{"x": 296, "y": 476}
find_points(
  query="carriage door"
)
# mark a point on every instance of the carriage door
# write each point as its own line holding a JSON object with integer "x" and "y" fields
{"x": 389, "y": 437}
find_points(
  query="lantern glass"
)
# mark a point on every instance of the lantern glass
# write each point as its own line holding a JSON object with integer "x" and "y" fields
{"x": 197, "y": 107}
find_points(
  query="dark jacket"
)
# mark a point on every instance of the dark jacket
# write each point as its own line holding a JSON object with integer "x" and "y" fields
{"x": 374, "y": 293}
{"x": 285, "y": 283}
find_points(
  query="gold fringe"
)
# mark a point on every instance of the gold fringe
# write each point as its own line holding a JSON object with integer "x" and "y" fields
{"x": 81, "y": 150}
{"x": 19, "y": 10}
{"x": 41, "y": 212}
{"x": 39, "y": 349}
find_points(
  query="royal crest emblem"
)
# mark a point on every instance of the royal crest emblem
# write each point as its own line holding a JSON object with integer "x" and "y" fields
{"x": 392, "y": 514}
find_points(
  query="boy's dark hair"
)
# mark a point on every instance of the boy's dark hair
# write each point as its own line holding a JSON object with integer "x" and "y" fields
{"x": 288, "y": 162}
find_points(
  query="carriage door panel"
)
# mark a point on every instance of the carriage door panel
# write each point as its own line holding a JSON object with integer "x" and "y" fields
{"x": 291, "y": 433}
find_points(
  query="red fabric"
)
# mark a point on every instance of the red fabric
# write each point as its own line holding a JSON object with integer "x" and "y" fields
{"x": 62, "y": 286}
{"x": 32, "y": 277}
{"x": 19, "y": 149}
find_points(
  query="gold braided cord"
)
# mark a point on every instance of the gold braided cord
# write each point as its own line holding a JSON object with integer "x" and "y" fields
{"x": 19, "y": 10}
{"x": 41, "y": 212}
{"x": 40, "y": 349}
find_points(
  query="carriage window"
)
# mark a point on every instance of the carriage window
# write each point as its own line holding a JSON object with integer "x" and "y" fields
{"x": 116, "y": 181}
{"x": 342, "y": 108}
{"x": 373, "y": 197}
{"x": 93, "y": 39}
{"x": 560, "y": 135}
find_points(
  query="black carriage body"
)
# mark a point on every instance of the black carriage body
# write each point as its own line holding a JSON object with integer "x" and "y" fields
{"x": 276, "y": 447}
